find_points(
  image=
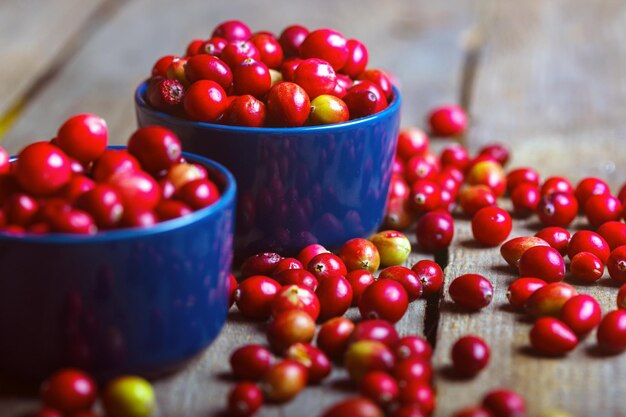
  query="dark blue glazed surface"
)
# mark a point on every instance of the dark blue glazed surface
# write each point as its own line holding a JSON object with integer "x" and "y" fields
{"x": 131, "y": 300}
{"x": 316, "y": 184}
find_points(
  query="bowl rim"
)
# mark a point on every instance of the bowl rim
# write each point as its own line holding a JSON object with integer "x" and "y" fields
{"x": 227, "y": 198}
{"x": 140, "y": 102}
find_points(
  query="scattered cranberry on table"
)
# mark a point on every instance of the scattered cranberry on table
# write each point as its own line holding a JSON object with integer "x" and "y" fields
{"x": 470, "y": 355}
{"x": 471, "y": 292}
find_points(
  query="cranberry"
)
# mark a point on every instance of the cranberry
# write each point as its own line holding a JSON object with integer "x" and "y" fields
{"x": 128, "y": 395}
{"x": 244, "y": 399}
{"x": 504, "y": 403}
{"x": 160, "y": 67}
{"x": 165, "y": 95}
{"x": 473, "y": 411}
{"x": 214, "y": 46}
{"x": 470, "y": 355}
{"x": 549, "y": 299}
{"x": 232, "y": 30}
{"x": 431, "y": 276}
{"x": 587, "y": 241}
{"x": 589, "y": 187}
{"x": 586, "y": 267}
{"x": 603, "y": 208}
{"x": 496, "y": 151}
{"x": 260, "y": 264}
{"x": 612, "y": 332}
{"x": 616, "y": 264}
{"x": 357, "y": 58}
{"x": 410, "y": 410}
{"x": 491, "y": 226}
{"x": 385, "y": 299}
{"x": 328, "y": 109}
{"x": 298, "y": 277}
{"x": 397, "y": 214}
{"x": 581, "y": 313}
{"x": 411, "y": 142}
{"x": 412, "y": 369}
{"x": 293, "y": 297}
{"x": 291, "y": 38}
{"x": 286, "y": 264}
{"x": 513, "y": 249}
{"x": 335, "y": 296}
{"x": 519, "y": 176}
{"x": 83, "y": 137}
{"x": 326, "y": 265}
{"x": 74, "y": 221}
{"x": 420, "y": 394}
{"x": 42, "y": 169}
{"x": 435, "y": 231}
{"x": 250, "y": 362}
{"x": 208, "y": 67}
{"x": 233, "y": 286}
{"x": 358, "y": 254}
{"x": 405, "y": 276}
{"x": 236, "y": 52}
{"x": 489, "y": 173}
{"x": 380, "y": 78}
{"x": 525, "y": 199}
{"x": 334, "y": 337}
{"x": 556, "y": 185}
{"x": 449, "y": 120}
{"x": 455, "y": 156}
{"x": 251, "y": 77}
{"x": 140, "y": 190}
{"x": 288, "y": 69}
{"x": 557, "y": 209}
{"x": 171, "y": 209}
{"x": 326, "y": 44}
{"x": 284, "y": 381}
{"x": 289, "y": 327}
{"x": 614, "y": 233}
{"x": 418, "y": 168}
{"x": 359, "y": 280}
{"x": 364, "y": 99}
{"x": 310, "y": 251}
{"x": 194, "y": 47}
{"x": 313, "y": 359}
{"x": 379, "y": 330}
{"x": 425, "y": 196}
{"x": 471, "y": 291}
{"x": 176, "y": 70}
{"x": 47, "y": 412}
{"x": 20, "y": 209}
{"x": 76, "y": 186}
{"x": 380, "y": 387}
{"x": 475, "y": 197}
{"x": 413, "y": 347}
{"x": 557, "y": 237}
{"x": 316, "y": 77}
{"x": 269, "y": 48}
{"x": 366, "y": 356}
{"x": 393, "y": 247}
{"x": 205, "y": 101}
{"x": 521, "y": 289}
{"x": 542, "y": 262}
{"x": 255, "y": 296}
{"x": 354, "y": 407}
{"x": 551, "y": 337}
{"x": 288, "y": 104}
{"x": 69, "y": 390}
{"x": 114, "y": 162}
{"x": 104, "y": 204}
{"x": 245, "y": 110}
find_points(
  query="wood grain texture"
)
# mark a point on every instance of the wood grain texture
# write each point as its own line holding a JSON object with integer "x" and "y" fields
{"x": 33, "y": 33}
{"x": 419, "y": 41}
{"x": 551, "y": 87}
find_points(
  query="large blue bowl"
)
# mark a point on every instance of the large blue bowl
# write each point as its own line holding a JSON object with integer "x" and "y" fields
{"x": 124, "y": 301}
{"x": 314, "y": 184}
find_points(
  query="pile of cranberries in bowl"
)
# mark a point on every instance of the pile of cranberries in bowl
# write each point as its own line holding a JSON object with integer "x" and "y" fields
{"x": 75, "y": 184}
{"x": 297, "y": 78}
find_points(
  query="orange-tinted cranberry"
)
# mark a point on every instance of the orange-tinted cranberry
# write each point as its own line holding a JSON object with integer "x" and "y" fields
{"x": 283, "y": 381}
{"x": 312, "y": 358}
{"x": 393, "y": 247}
{"x": 475, "y": 197}
{"x": 489, "y": 173}
{"x": 551, "y": 337}
{"x": 293, "y": 297}
{"x": 549, "y": 299}
{"x": 360, "y": 253}
{"x": 513, "y": 249}
{"x": 289, "y": 327}
{"x": 366, "y": 356}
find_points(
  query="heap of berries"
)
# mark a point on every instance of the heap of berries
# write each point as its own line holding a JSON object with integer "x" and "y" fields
{"x": 297, "y": 78}
{"x": 391, "y": 373}
{"x": 73, "y": 393}
{"x": 74, "y": 184}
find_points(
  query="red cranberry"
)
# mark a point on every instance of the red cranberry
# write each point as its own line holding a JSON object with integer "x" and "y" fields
{"x": 385, "y": 299}
{"x": 286, "y": 264}
{"x": 260, "y": 264}
{"x": 475, "y": 197}
{"x": 614, "y": 233}
{"x": 412, "y": 369}
{"x": 525, "y": 199}
{"x": 316, "y": 77}
{"x": 83, "y": 137}
{"x": 450, "y": 120}
{"x": 299, "y": 277}
{"x": 513, "y": 249}
{"x": 310, "y": 251}
{"x": 366, "y": 356}
{"x": 171, "y": 209}
{"x": 326, "y": 44}
{"x": 42, "y": 169}
{"x": 380, "y": 78}
{"x": 551, "y": 337}
{"x": 194, "y": 47}
{"x": 504, "y": 403}
{"x": 380, "y": 387}
{"x": 589, "y": 187}
{"x": 409, "y": 280}
{"x": 288, "y": 69}
{"x": 470, "y": 355}
{"x": 160, "y": 67}
{"x": 76, "y": 186}
{"x": 140, "y": 190}
{"x": 69, "y": 390}
{"x": 521, "y": 289}
{"x": 603, "y": 208}
{"x": 245, "y": 110}
{"x": 335, "y": 296}
{"x": 114, "y": 162}
{"x": 47, "y": 412}
{"x": 354, "y": 407}
{"x": 293, "y": 297}
{"x": 419, "y": 168}
{"x": 364, "y": 99}
{"x": 519, "y": 176}
{"x": 232, "y": 30}
{"x": 244, "y": 399}
{"x": 557, "y": 237}
{"x": 75, "y": 222}
{"x": 208, "y": 67}
{"x": 586, "y": 267}
{"x": 557, "y": 209}
{"x": 326, "y": 265}
{"x": 291, "y": 38}
{"x": 612, "y": 332}
{"x": 269, "y": 48}
{"x": 104, "y": 204}
{"x": 255, "y": 296}
{"x": 233, "y": 286}
{"x": 410, "y": 410}
{"x": 616, "y": 264}
{"x": 473, "y": 411}
{"x": 214, "y": 46}
{"x": 288, "y": 104}
{"x": 556, "y": 185}
{"x": 20, "y": 209}
{"x": 413, "y": 347}
{"x": 587, "y": 241}
{"x": 496, "y": 151}
{"x": 357, "y": 58}
{"x": 581, "y": 313}
{"x": 411, "y": 142}
{"x": 334, "y": 337}
{"x": 359, "y": 280}
{"x": 491, "y": 226}
{"x": 431, "y": 276}
{"x": 198, "y": 193}
{"x": 205, "y": 101}
{"x": 542, "y": 262}
{"x": 471, "y": 291}
{"x": 416, "y": 392}
{"x": 379, "y": 330}
{"x": 312, "y": 358}
{"x": 250, "y": 362}
{"x": 455, "y": 156}
{"x": 251, "y": 77}
{"x": 425, "y": 196}
{"x": 435, "y": 231}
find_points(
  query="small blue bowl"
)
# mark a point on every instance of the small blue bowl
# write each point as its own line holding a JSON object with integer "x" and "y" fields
{"x": 139, "y": 301}
{"x": 297, "y": 186}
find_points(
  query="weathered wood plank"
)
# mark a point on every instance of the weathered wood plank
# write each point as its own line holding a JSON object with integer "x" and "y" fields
{"x": 418, "y": 41}
{"x": 550, "y": 87}
{"x": 34, "y": 33}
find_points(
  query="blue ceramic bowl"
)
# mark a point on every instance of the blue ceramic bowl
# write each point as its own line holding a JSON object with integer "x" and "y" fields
{"x": 316, "y": 184}
{"x": 124, "y": 301}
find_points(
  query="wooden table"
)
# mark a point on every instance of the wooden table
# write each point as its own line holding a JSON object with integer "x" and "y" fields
{"x": 546, "y": 77}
